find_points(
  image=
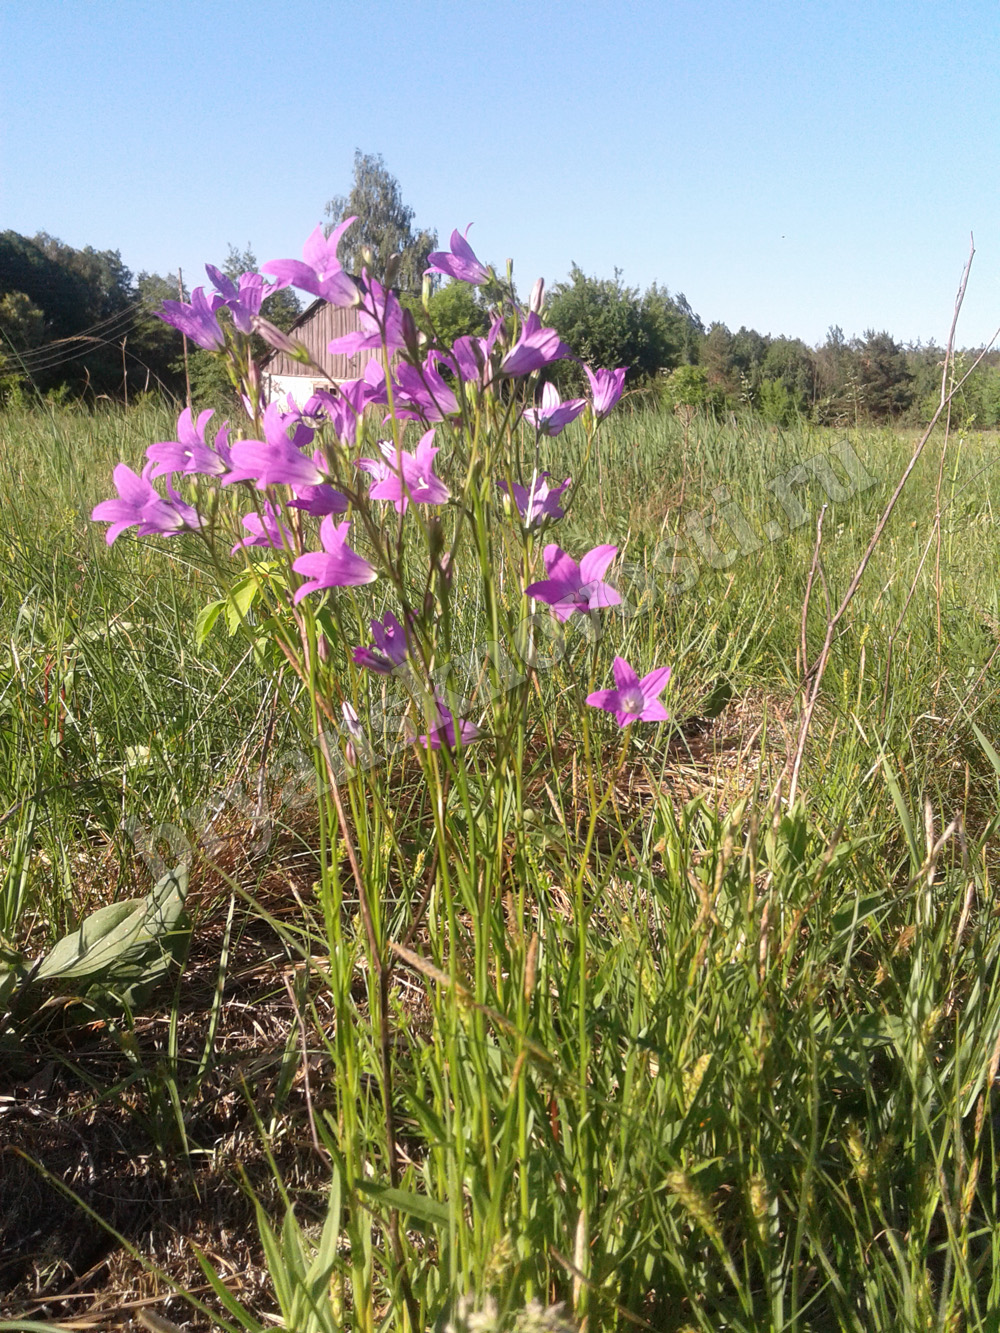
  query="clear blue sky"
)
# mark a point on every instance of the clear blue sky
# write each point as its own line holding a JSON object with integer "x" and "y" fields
{"x": 786, "y": 165}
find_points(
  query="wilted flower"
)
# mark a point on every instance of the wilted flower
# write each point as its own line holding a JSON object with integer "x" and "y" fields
{"x": 575, "y": 587}
{"x": 336, "y": 566}
{"x": 461, "y": 263}
{"x": 634, "y": 700}
{"x": 605, "y": 388}
{"x": 553, "y": 414}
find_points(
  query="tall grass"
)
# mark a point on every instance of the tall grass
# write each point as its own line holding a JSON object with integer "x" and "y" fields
{"x": 666, "y": 1049}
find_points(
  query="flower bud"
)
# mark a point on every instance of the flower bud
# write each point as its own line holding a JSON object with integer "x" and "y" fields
{"x": 410, "y": 332}
{"x": 392, "y": 270}
{"x": 537, "y": 296}
{"x": 274, "y": 337}
{"x": 426, "y": 289}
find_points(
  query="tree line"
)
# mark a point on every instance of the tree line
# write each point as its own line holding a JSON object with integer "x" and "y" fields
{"x": 78, "y": 323}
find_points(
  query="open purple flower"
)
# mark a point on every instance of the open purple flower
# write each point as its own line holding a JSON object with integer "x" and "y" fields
{"x": 575, "y": 587}
{"x": 140, "y": 504}
{"x": 605, "y": 388}
{"x": 390, "y": 647}
{"x": 536, "y": 347}
{"x": 243, "y": 300}
{"x": 402, "y": 477}
{"x": 461, "y": 263}
{"x": 321, "y": 273}
{"x": 634, "y": 700}
{"x": 423, "y": 394}
{"x": 446, "y": 731}
{"x": 275, "y": 461}
{"x": 321, "y": 499}
{"x": 553, "y": 414}
{"x": 265, "y": 529}
{"x": 336, "y": 566}
{"x": 381, "y": 318}
{"x": 538, "y": 503}
{"x": 197, "y": 320}
{"x": 345, "y": 408}
{"x": 189, "y": 454}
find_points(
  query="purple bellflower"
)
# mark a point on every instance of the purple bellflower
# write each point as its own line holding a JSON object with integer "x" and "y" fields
{"x": 244, "y": 300}
{"x": 390, "y": 647}
{"x": 423, "y": 394}
{"x": 265, "y": 529}
{"x": 197, "y": 320}
{"x": 336, "y": 566}
{"x": 575, "y": 587}
{"x": 402, "y": 477}
{"x": 321, "y": 274}
{"x": 321, "y": 499}
{"x": 189, "y": 454}
{"x": 381, "y": 318}
{"x": 276, "y": 462}
{"x": 606, "y": 388}
{"x": 445, "y": 731}
{"x": 538, "y": 503}
{"x": 461, "y": 263}
{"x": 553, "y": 414}
{"x": 344, "y": 408}
{"x": 140, "y": 503}
{"x": 535, "y": 347}
{"x": 634, "y": 700}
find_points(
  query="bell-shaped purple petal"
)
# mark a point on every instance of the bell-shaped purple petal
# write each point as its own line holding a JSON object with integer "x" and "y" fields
{"x": 189, "y": 454}
{"x": 633, "y": 700}
{"x": 575, "y": 587}
{"x": 197, "y": 321}
{"x": 402, "y": 477}
{"x": 319, "y": 271}
{"x": 553, "y": 414}
{"x": 461, "y": 263}
{"x": 540, "y": 502}
{"x": 605, "y": 388}
{"x": 447, "y": 731}
{"x": 336, "y": 566}
{"x": 535, "y": 347}
{"x": 140, "y": 505}
{"x": 265, "y": 529}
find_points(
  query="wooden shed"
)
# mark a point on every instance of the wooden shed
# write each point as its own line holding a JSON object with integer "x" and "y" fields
{"x": 317, "y": 326}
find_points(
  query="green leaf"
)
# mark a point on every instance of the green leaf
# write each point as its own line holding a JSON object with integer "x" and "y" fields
{"x": 205, "y": 621}
{"x": 114, "y": 939}
{"x": 240, "y": 600}
{"x": 410, "y": 1203}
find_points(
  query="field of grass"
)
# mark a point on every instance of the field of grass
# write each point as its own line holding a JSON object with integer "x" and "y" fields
{"x": 652, "y": 1039}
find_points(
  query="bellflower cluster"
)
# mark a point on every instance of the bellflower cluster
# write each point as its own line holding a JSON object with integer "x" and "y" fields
{"x": 299, "y": 473}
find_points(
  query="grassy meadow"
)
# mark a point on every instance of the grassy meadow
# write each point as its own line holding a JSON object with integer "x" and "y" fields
{"x": 673, "y": 1051}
